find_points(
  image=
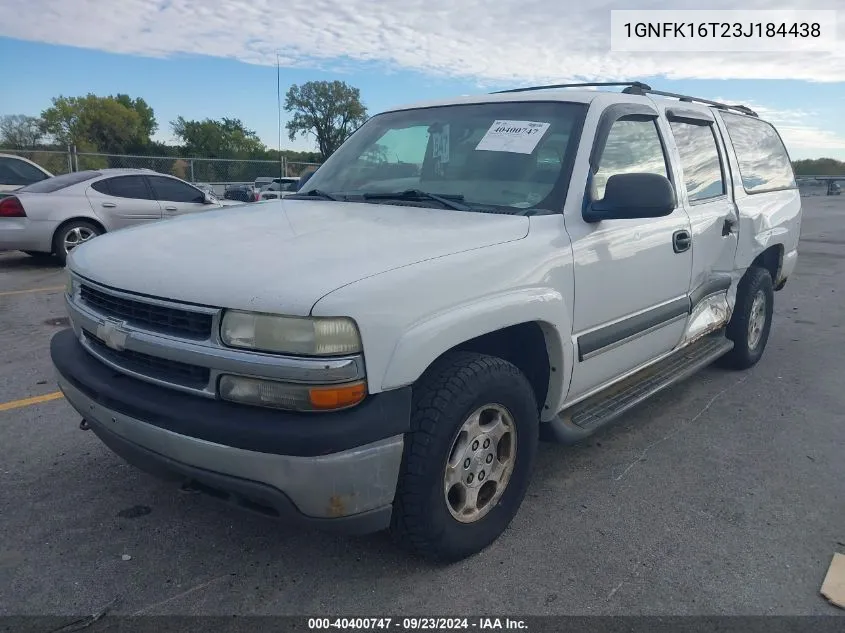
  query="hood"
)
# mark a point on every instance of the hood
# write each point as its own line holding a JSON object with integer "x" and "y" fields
{"x": 281, "y": 255}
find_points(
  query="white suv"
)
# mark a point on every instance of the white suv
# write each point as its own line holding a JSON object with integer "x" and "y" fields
{"x": 385, "y": 348}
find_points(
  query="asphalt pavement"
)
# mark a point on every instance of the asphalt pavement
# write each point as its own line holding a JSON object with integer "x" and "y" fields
{"x": 723, "y": 495}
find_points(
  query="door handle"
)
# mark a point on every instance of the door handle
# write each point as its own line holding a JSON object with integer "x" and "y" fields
{"x": 170, "y": 209}
{"x": 681, "y": 241}
{"x": 728, "y": 226}
{"x": 109, "y": 205}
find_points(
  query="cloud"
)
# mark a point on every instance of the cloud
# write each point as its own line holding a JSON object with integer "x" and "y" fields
{"x": 506, "y": 41}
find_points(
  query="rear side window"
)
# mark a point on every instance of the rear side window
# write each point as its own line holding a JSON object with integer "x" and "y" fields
{"x": 60, "y": 182}
{"x": 699, "y": 159}
{"x": 764, "y": 164}
{"x": 18, "y": 172}
{"x": 124, "y": 187}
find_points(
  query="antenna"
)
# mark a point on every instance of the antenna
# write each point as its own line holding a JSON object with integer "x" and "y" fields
{"x": 279, "y": 108}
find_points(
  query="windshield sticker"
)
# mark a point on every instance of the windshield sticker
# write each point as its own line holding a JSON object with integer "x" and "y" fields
{"x": 518, "y": 137}
{"x": 440, "y": 145}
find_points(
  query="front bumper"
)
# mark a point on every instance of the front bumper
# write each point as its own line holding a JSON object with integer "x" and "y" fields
{"x": 336, "y": 471}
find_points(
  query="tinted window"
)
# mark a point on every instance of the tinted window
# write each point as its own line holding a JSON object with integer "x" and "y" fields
{"x": 60, "y": 182}
{"x": 699, "y": 160}
{"x": 763, "y": 162}
{"x": 172, "y": 190}
{"x": 124, "y": 187}
{"x": 495, "y": 155}
{"x": 632, "y": 147}
{"x": 18, "y": 172}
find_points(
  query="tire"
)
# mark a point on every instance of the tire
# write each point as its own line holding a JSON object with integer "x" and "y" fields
{"x": 65, "y": 233}
{"x": 750, "y": 323}
{"x": 456, "y": 386}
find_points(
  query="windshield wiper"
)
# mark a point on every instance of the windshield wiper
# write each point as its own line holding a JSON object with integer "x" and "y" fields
{"x": 450, "y": 201}
{"x": 314, "y": 193}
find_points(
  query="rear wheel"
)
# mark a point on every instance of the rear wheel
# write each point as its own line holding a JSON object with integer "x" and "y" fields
{"x": 71, "y": 235}
{"x": 468, "y": 457}
{"x": 751, "y": 321}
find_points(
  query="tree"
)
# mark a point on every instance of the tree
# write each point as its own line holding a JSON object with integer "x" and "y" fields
{"x": 819, "y": 167}
{"x": 226, "y": 138}
{"x": 149, "y": 125}
{"x": 330, "y": 110}
{"x": 103, "y": 124}
{"x": 18, "y": 131}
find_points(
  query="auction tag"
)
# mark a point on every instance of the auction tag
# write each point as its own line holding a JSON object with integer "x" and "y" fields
{"x": 518, "y": 137}
{"x": 440, "y": 148}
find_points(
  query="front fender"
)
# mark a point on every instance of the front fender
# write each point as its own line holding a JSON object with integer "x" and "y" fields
{"x": 426, "y": 340}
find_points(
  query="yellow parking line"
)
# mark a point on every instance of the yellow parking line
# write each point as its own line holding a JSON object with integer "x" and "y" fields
{"x": 25, "y": 402}
{"x": 22, "y": 292}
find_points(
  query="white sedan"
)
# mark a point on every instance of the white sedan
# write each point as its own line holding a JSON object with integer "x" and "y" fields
{"x": 55, "y": 215}
{"x": 17, "y": 172}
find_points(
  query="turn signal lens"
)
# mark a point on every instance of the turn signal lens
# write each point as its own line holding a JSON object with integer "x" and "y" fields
{"x": 325, "y": 398}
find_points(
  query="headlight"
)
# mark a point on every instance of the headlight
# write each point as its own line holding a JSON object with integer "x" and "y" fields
{"x": 290, "y": 335}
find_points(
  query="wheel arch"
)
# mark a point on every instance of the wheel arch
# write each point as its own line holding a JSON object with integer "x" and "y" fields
{"x": 771, "y": 259}
{"x": 524, "y": 328}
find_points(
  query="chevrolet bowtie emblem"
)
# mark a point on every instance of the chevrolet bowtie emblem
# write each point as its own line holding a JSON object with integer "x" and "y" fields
{"x": 112, "y": 334}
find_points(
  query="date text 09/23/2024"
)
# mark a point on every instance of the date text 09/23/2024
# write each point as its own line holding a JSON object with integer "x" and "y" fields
{"x": 415, "y": 624}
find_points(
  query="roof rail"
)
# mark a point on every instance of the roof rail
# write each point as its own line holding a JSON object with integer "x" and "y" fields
{"x": 636, "y": 84}
{"x": 642, "y": 89}
{"x": 638, "y": 88}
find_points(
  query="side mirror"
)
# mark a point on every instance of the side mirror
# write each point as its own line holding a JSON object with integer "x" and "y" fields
{"x": 207, "y": 198}
{"x": 631, "y": 196}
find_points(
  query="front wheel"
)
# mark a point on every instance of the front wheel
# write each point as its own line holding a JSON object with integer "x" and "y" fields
{"x": 468, "y": 457}
{"x": 751, "y": 321}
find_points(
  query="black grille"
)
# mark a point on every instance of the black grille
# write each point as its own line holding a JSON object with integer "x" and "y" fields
{"x": 159, "y": 368}
{"x": 173, "y": 321}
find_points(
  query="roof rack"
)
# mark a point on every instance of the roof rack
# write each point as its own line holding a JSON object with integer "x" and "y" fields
{"x": 638, "y": 88}
{"x": 596, "y": 84}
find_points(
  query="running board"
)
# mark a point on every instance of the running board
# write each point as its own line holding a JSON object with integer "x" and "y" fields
{"x": 586, "y": 417}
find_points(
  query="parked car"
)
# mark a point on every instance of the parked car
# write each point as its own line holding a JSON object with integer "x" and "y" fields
{"x": 384, "y": 352}
{"x": 17, "y": 172}
{"x": 205, "y": 188}
{"x": 55, "y": 215}
{"x": 279, "y": 188}
{"x": 262, "y": 182}
{"x": 241, "y": 193}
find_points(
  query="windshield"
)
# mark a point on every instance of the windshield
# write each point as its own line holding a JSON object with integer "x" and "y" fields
{"x": 502, "y": 157}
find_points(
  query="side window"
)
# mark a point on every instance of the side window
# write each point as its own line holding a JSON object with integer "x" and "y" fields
{"x": 764, "y": 164}
{"x": 123, "y": 187}
{"x": 633, "y": 146}
{"x": 19, "y": 173}
{"x": 172, "y": 190}
{"x": 700, "y": 160}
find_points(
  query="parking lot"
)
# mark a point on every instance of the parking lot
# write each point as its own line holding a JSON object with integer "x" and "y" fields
{"x": 725, "y": 494}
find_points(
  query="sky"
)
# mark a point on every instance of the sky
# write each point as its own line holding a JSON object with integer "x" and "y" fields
{"x": 217, "y": 58}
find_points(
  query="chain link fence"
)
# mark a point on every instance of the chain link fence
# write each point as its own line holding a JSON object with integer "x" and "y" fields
{"x": 217, "y": 172}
